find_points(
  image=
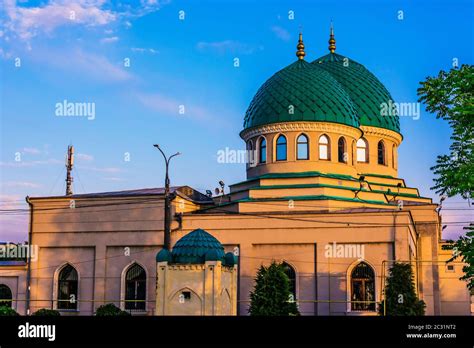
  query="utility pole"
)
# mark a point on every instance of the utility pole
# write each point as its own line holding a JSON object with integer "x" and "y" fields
{"x": 167, "y": 236}
{"x": 69, "y": 164}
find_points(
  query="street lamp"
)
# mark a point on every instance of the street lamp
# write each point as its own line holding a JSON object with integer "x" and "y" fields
{"x": 167, "y": 236}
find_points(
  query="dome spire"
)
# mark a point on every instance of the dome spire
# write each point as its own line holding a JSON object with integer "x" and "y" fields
{"x": 300, "y": 46}
{"x": 332, "y": 40}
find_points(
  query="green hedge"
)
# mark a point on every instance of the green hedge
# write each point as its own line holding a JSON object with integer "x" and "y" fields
{"x": 45, "y": 312}
{"x": 8, "y": 311}
{"x": 110, "y": 309}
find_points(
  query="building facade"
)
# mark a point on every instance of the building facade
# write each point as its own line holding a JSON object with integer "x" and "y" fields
{"x": 322, "y": 195}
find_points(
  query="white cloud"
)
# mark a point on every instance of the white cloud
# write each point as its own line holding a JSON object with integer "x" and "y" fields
{"x": 84, "y": 157}
{"x": 21, "y": 184}
{"x": 20, "y": 164}
{"x": 281, "y": 33}
{"x": 144, "y": 50}
{"x": 170, "y": 106}
{"x": 28, "y": 22}
{"x": 115, "y": 179}
{"x": 102, "y": 169}
{"x": 227, "y": 46}
{"x": 109, "y": 39}
{"x": 31, "y": 150}
{"x": 86, "y": 64}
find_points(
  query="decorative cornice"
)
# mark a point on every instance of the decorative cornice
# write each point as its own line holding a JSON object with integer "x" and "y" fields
{"x": 301, "y": 126}
{"x": 383, "y": 133}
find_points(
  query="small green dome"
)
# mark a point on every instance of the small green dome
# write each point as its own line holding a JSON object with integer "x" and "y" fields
{"x": 365, "y": 90}
{"x": 163, "y": 255}
{"x": 230, "y": 259}
{"x": 301, "y": 92}
{"x": 213, "y": 255}
{"x": 195, "y": 246}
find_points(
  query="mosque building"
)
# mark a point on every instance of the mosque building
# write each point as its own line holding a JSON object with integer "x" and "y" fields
{"x": 323, "y": 197}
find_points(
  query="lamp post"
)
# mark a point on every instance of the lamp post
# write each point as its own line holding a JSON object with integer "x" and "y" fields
{"x": 167, "y": 236}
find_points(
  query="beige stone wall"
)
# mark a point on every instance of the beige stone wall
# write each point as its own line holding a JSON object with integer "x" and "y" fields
{"x": 455, "y": 298}
{"x": 212, "y": 289}
{"x": 95, "y": 240}
{"x": 15, "y": 278}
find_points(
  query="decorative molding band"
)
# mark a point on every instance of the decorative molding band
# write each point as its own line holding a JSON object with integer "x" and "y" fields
{"x": 299, "y": 127}
{"x": 383, "y": 133}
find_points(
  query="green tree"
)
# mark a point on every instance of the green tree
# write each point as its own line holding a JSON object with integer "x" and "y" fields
{"x": 8, "y": 311}
{"x": 271, "y": 294}
{"x": 109, "y": 310}
{"x": 45, "y": 312}
{"x": 450, "y": 95}
{"x": 400, "y": 295}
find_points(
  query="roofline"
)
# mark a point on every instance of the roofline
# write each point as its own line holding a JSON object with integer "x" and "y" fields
{"x": 103, "y": 195}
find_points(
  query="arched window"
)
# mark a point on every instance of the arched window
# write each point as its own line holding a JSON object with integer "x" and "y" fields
{"x": 302, "y": 152}
{"x": 354, "y": 152}
{"x": 281, "y": 148}
{"x": 262, "y": 155}
{"x": 381, "y": 153}
{"x": 67, "y": 288}
{"x": 6, "y": 296}
{"x": 249, "y": 157}
{"x": 290, "y": 272}
{"x": 362, "y": 151}
{"x": 363, "y": 288}
{"x": 135, "y": 288}
{"x": 324, "y": 152}
{"x": 394, "y": 154}
{"x": 342, "y": 150}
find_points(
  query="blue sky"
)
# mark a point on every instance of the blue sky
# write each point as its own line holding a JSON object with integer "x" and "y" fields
{"x": 79, "y": 56}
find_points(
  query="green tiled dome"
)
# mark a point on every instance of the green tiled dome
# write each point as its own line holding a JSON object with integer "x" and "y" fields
{"x": 365, "y": 90}
{"x": 163, "y": 256}
{"x": 194, "y": 246}
{"x": 314, "y": 94}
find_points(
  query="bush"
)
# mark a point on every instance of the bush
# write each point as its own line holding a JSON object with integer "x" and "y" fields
{"x": 109, "y": 310}
{"x": 8, "y": 311}
{"x": 271, "y": 294}
{"x": 45, "y": 312}
{"x": 400, "y": 294}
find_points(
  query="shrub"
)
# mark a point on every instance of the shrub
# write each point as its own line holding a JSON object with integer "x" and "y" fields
{"x": 271, "y": 294}
{"x": 109, "y": 310}
{"x": 400, "y": 294}
{"x": 8, "y": 311}
{"x": 45, "y": 312}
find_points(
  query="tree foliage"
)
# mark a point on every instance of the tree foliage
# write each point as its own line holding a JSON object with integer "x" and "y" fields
{"x": 45, "y": 312}
{"x": 450, "y": 96}
{"x": 400, "y": 295}
{"x": 8, "y": 311}
{"x": 271, "y": 294}
{"x": 109, "y": 310}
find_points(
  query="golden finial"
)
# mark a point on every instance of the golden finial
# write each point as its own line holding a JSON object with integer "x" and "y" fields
{"x": 332, "y": 40}
{"x": 300, "y": 53}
